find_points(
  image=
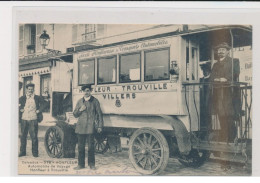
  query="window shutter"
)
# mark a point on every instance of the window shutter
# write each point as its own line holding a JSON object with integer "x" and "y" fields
{"x": 81, "y": 32}
{"x": 21, "y": 40}
{"x": 74, "y": 33}
{"x": 100, "y": 30}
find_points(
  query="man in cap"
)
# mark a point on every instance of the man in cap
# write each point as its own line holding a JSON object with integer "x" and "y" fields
{"x": 30, "y": 108}
{"x": 223, "y": 96}
{"x": 88, "y": 112}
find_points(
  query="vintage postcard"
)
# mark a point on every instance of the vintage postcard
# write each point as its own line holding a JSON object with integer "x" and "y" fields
{"x": 135, "y": 99}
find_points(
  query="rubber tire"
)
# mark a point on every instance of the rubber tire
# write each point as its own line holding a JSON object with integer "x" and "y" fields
{"x": 195, "y": 159}
{"x": 61, "y": 134}
{"x": 163, "y": 143}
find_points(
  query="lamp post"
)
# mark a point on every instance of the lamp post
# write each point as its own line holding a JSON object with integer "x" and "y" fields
{"x": 44, "y": 40}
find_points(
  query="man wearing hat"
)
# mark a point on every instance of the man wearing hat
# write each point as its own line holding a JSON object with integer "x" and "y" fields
{"x": 223, "y": 95}
{"x": 30, "y": 108}
{"x": 88, "y": 112}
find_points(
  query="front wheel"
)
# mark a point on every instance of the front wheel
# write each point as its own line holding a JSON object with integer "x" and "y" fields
{"x": 54, "y": 142}
{"x": 148, "y": 151}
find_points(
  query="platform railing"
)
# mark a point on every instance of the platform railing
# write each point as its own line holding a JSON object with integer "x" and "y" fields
{"x": 244, "y": 124}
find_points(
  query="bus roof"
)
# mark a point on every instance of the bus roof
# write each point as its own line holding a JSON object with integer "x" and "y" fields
{"x": 191, "y": 30}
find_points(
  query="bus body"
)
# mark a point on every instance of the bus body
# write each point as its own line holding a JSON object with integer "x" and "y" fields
{"x": 140, "y": 100}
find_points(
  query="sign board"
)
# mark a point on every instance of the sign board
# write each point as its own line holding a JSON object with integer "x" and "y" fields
{"x": 157, "y": 43}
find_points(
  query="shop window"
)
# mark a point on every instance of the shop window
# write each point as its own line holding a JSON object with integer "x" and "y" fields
{"x": 107, "y": 70}
{"x": 86, "y": 72}
{"x": 130, "y": 68}
{"x": 46, "y": 90}
{"x": 61, "y": 103}
{"x": 157, "y": 65}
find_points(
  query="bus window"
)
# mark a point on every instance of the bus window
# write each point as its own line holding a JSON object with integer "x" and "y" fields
{"x": 157, "y": 65}
{"x": 86, "y": 72}
{"x": 107, "y": 70}
{"x": 130, "y": 67}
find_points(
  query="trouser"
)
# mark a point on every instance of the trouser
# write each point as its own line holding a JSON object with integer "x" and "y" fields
{"x": 81, "y": 149}
{"x": 228, "y": 129}
{"x": 32, "y": 127}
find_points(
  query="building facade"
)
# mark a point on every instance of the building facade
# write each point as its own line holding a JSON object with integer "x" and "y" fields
{"x": 47, "y": 67}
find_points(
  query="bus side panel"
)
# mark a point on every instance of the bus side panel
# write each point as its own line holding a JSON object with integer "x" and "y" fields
{"x": 135, "y": 121}
{"x": 160, "y": 101}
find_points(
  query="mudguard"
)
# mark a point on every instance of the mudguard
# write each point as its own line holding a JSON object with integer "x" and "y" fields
{"x": 180, "y": 132}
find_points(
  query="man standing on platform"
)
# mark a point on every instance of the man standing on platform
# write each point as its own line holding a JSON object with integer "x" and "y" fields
{"x": 223, "y": 94}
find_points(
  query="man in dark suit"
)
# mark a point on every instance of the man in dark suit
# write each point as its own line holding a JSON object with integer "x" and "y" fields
{"x": 223, "y": 94}
{"x": 88, "y": 112}
{"x": 30, "y": 113}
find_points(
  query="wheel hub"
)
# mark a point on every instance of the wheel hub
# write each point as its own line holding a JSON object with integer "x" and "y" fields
{"x": 146, "y": 151}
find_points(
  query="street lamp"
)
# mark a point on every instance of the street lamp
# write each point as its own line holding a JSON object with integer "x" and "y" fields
{"x": 44, "y": 40}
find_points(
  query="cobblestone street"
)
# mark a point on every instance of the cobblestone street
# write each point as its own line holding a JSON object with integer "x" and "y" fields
{"x": 115, "y": 164}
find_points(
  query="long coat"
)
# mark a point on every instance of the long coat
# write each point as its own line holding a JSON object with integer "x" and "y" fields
{"x": 39, "y": 102}
{"x": 224, "y": 99}
{"x": 89, "y": 117}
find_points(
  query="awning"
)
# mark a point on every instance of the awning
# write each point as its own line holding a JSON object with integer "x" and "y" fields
{"x": 41, "y": 61}
{"x": 44, "y": 70}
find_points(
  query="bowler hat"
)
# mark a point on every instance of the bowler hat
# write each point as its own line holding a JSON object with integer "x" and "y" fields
{"x": 223, "y": 45}
{"x": 85, "y": 86}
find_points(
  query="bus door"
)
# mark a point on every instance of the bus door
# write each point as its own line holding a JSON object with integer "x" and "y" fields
{"x": 192, "y": 76}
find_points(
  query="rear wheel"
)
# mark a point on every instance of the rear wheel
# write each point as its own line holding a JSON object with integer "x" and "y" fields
{"x": 195, "y": 158}
{"x": 100, "y": 143}
{"x": 148, "y": 151}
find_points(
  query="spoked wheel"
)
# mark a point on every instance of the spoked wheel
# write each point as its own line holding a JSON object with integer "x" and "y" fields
{"x": 148, "y": 151}
{"x": 53, "y": 142}
{"x": 196, "y": 158}
{"x": 100, "y": 143}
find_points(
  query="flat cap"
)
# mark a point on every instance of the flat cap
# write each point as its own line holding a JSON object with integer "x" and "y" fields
{"x": 85, "y": 86}
{"x": 29, "y": 85}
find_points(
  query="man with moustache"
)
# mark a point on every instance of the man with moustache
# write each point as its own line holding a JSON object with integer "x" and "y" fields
{"x": 88, "y": 112}
{"x": 30, "y": 108}
{"x": 224, "y": 99}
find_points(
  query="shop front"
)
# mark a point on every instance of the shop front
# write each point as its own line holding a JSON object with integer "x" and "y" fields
{"x": 52, "y": 78}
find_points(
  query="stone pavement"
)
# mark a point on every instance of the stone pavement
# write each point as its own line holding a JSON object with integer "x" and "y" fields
{"x": 115, "y": 164}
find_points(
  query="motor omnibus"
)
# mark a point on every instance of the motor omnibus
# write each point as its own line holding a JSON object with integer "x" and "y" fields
{"x": 150, "y": 91}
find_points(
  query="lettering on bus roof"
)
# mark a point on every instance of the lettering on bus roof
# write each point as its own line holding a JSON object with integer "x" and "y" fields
{"x": 127, "y": 48}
